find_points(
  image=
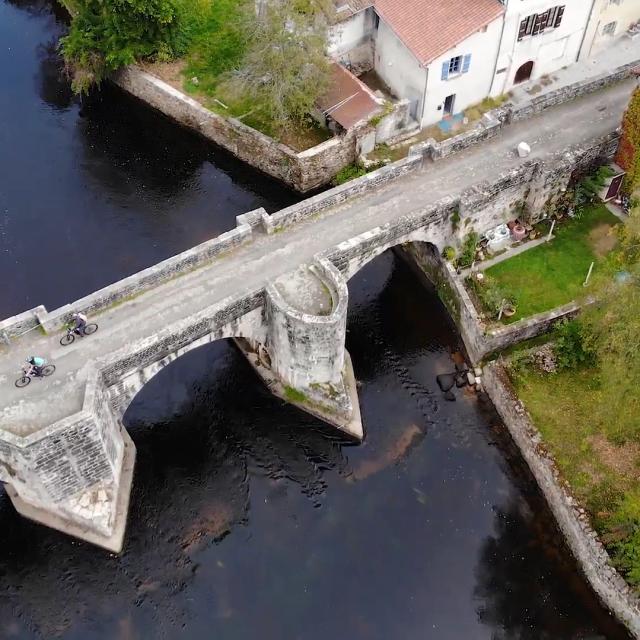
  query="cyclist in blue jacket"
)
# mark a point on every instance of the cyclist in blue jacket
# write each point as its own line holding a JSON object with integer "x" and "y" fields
{"x": 36, "y": 365}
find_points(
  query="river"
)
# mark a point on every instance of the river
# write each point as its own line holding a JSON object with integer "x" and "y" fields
{"x": 250, "y": 519}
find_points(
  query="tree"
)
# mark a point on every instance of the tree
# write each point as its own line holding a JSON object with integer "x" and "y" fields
{"x": 108, "y": 34}
{"x": 628, "y": 156}
{"x": 611, "y": 329}
{"x": 285, "y": 69}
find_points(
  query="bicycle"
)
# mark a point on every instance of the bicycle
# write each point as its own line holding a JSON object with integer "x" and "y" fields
{"x": 28, "y": 373}
{"x": 71, "y": 334}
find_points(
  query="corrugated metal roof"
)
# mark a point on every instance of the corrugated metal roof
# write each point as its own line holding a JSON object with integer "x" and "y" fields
{"x": 348, "y": 101}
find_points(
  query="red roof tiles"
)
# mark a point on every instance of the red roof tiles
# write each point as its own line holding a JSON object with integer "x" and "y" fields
{"x": 429, "y": 28}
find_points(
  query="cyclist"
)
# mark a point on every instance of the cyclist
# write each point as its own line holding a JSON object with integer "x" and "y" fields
{"x": 36, "y": 365}
{"x": 81, "y": 322}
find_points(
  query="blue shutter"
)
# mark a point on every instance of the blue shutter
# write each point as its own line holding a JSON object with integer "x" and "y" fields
{"x": 445, "y": 70}
{"x": 466, "y": 63}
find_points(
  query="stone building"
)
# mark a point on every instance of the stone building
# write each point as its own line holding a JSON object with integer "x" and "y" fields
{"x": 610, "y": 20}
{"x": 538, "y": 38}
{"x": 440, "y": 56}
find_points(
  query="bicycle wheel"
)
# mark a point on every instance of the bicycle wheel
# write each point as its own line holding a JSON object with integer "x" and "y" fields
{"x": 66, "y": 339}
{"x": 47, "y": 370}
{"x": 23, "y": 382}
{"x": 90, "y": 328}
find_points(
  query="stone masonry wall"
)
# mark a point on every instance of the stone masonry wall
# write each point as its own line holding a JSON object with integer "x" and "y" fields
{"x": 17, "y": 325}
{"x": 69, "y": 456}
{"x": 316, "y": 204}
{"x": 303, "y": 171}
{"x": 573, "y": 522}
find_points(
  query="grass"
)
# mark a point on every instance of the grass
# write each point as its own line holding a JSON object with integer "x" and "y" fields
{"x": 552, "y": 274}
{"x": 217, "y": 43}
{"x": 603, "y": 472}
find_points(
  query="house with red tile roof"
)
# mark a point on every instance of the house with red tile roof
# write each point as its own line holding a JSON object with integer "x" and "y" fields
{"x": 440, "y": 55}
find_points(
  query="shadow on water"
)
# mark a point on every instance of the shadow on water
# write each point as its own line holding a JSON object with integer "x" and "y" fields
{"x": 249, "y": 517}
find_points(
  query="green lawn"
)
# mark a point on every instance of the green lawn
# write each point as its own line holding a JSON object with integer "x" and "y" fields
{"x": 602, "y": 468}
{"x": 552, "y": 274}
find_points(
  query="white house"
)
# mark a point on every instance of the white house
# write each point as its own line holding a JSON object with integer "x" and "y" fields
{"x": 438, "y": 55}
{"x": 539, "y": 37}
{"x": 610, "y": 20}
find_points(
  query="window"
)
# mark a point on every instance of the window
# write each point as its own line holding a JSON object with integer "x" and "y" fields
{"x": 539, "y": 22}
{"x": 456, "y": 66}
{"x": 609, "y": 29}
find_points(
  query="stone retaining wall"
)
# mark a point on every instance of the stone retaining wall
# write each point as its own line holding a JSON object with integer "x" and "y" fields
{"x": 303, "y": 171}
{"x": 583, "y": 541}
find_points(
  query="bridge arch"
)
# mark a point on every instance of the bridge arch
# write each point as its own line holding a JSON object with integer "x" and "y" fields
{"x": 124, "y": 390}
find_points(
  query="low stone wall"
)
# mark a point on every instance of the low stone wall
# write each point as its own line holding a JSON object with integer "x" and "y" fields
{"x": 493, "y": 121}
{"x": 148, "y": 278}
{"x": 15, "y": 326}
{"x": 479, "y": 340}
{"x": 570, "y": 92}
{"x": 573, "y": 522}
{"x": 303, "y": 171}
{"x": 312, "y": 206}
{"x": 496, "y": 340}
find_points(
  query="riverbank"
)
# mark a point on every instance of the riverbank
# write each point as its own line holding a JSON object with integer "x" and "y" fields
{"x": 554, "y": 479}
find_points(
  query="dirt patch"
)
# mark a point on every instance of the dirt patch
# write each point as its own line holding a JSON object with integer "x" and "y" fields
{"x": 169, "y": 72}
{"x": 624, "y": 460}
{"x": 602, "y": 239}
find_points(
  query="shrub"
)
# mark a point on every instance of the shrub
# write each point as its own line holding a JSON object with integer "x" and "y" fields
{"x": 468, "y": 251}
{"x": 570, "y": 349}
{"x": 350, "y": 172}
{"x": 108, "y": 34}
{"x": 449, "y": 253}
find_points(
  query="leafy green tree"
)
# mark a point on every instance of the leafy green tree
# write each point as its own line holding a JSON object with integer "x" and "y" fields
{"x": 285, "y": 68}
{"x": 108, "y": 34}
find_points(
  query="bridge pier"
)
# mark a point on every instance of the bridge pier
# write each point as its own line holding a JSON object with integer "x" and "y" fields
{"x": 75, "y": 475}
{"x": 303, "y": 360}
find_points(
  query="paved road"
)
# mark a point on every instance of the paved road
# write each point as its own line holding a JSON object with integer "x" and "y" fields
{"x": 252, "y": 266}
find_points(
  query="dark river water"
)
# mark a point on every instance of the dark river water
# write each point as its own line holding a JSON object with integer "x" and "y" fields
{"x": 250, "y": 519}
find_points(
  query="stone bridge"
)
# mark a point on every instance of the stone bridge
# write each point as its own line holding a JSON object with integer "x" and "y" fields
{"x": 278, "y": 284}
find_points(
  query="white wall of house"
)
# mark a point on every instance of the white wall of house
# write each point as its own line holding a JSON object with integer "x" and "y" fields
{"x": 609, "y": 21}
{"x": 399, "y": 68}
{"x": 350, "y": 33}
{"x": 472, "y": 83}
{"x": 549, "y": 50}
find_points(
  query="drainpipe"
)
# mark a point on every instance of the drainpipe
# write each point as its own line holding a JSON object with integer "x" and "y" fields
{"x": 424, "y": 95}
{"x": 584, "y": 35}
{"x": 495, "y": 66}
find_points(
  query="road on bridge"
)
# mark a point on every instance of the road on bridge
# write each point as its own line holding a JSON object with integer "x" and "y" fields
{"x": 252, "y": 266}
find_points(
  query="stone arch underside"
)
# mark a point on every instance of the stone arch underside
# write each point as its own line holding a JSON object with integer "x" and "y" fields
{"x": 123, "y": 391}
